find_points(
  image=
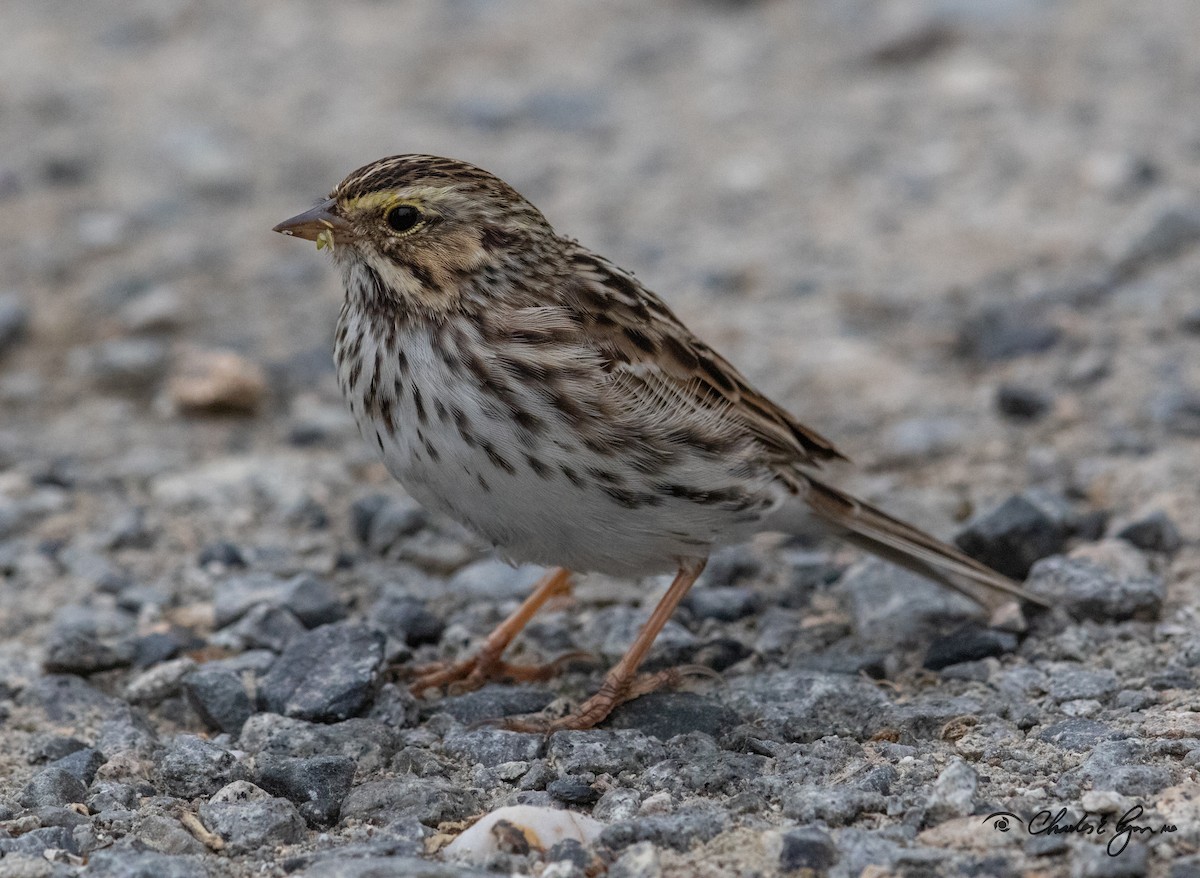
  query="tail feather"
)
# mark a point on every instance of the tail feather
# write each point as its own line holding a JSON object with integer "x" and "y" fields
{"x": 894, "y": 540}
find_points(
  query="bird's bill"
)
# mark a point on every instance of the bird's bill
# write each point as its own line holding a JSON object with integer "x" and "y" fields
{"x": 321, "y": 224}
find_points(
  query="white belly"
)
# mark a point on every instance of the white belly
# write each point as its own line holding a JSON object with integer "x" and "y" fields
{"x": 459, "y": 453}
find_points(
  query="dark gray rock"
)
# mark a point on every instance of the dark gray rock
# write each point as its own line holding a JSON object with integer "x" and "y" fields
{"x": 311, "y": 600}
{"x": 1121, "y": 766}
{"x": 1070, "y": 683}
{"x": 1002, "y": 332}
{"x": 953, "y": 792}
{"x": 1171, "y": 232}
{"x": 490, "y": 702}
{"x": 161, "y": 646}
{"x": 127, "y": 862}
{"x": 122, "y": 365}
{"x": 82, "y": 764}
{"x": 1095, "y": 861}
{"x": 892, "y": 607}
{"x": 405, "y": 618}
{"x": 664, "y": 715}
{"x": 603, "y": 752}
{"x": 316, "y": 785}
{"x": 839, "y": 806}
{"x": 14, "y": 321}
{"x": 219, "y": 698}
{"x": 254, "y": 823}
{"x": 491, "y": 747}
{"x": 369, "y": 742}
{"x": 53, "y": 785}
{"x": 1076, "y": 734}
{"x": 37, "y": 841}
{"x": 1022, "y": 403}
{"x": 1177, "y": 409}
{"x": 392, "y": 522}
{"x": 1154, "y": 533}
{"x": 1088, "y": 591}
{"x": 806, "y": 705}
{"x": 1022, "y": 530}
{"x": 969, "y": 643}
{"x": 70, "y": 650}
{"x": 724, "y": 603}
{"x": 390, "y": 867}
{"x": 327, "y": 674}
{"x": 192, "y": 767}
{"x": 264, "y": 627}
{"x": 223, "y": 553}
{"x": 679, "y": 830}
{"x": 109, "y": 795}
{"x": 573, "y": 791}
{"x": 809, "y": 848}
{"x": 428, "y": 800}
{"x": 50, "y": 747}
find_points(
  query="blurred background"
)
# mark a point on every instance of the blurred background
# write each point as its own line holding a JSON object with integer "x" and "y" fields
{"x": 954, "y": 235}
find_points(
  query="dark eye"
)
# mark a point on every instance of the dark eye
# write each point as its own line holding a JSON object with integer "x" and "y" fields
{"x": 403, "y": 217}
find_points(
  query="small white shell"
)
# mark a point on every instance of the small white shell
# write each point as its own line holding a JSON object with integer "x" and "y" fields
{"x": 542, "y": 828}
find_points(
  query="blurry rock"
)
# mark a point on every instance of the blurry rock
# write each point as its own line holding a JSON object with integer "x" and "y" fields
{"x": 725, "y": 604}
{"x": 912, "y": 46}
{"x": 1088, "y": 591}
{"x": 922, "y": 438}
{"x": 1178, "y": 411}
{"x": 405, "y": 618}
{"x": 892, "y": 606}
{"x": 808, "y": 850}
{"x": 14, "y": 321}
{"x": 126, "y": 365}
{"x": 1174, "y": 230}
{"x": 217, "y": 382}
{"x": 969, "y": 643}
{"x": 1154, "y": 533}
{"x": 1022, "y": 403}
{"x": 1001, "y": 332}
{"x": 1022, "y": 530}
{"x": 222, "y": 552}
{"x": 158, "y": 309}
{"x": 1118, "y": 174}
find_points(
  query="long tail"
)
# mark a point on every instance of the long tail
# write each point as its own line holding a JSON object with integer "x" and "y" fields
{"x": 893, "y": 540}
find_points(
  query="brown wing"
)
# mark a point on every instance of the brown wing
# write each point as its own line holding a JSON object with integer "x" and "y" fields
{"x": 639, "y": 338}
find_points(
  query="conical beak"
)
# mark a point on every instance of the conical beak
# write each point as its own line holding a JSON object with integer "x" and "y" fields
{"x": 322, "y": 222}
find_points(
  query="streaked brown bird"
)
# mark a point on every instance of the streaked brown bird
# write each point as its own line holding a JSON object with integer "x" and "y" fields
{"x": 516, "y": 381}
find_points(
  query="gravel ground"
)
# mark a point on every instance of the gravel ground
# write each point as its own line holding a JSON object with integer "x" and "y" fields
{"x": 957, "y": 236}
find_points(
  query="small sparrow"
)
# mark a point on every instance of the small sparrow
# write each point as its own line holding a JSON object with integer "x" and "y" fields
{"x": 521, "y": 384}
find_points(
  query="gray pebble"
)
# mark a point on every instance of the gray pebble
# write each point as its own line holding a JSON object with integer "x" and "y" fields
{"x": 1022, "y": 403}
{"x": 81, "y": 764}
{"x": 390, "y": 867}
{"x": 369, "y": 742}
{"x": 1170, "y": 233}
{"x": 219, "y": 698}
{"x": 1154, "y": 533}
{"x": 125, "y": 862}
{"x": 1071, "y": 683}
{"x": 14, "y": 321}
{"x": 69, "y": 650}
{"x": 37, "y": 841}
{"x": 725, "y": 604}
{"x": 311, "y": 600}
{"x": 249, "y": 825}
{"x": 124, "y": 365}
{"x": 53, "y": 785}
{"x": 1002, "y": 332}
{"x": 953, "y": 792}
{"x": 192, "y": 767}
{"x": 316, "y": 785}
{"x": 429, "y": 800}
{"x": 1088, "y": 591}
{"x": 1094, "y": 861}
{"x": 491, "y": 747}
{"x": 893, "y": 607}
{"x": 392, "y": 522}
{"x": 664, "y": 715}
{"x": 326, "y": 674}
{"x": 1014, "y": 535}
{"x": 110, "y": 795}
{"x": 809, "y": 848}
{"x": 493, "y": 580}
{"x": 405, "y": 619}
{"x": 262, "y": 627}
{"x": 603, "y": 752}
{"x": 573, "y": 791}
{"x": 679, "y": 830}
{"x": 491, "y": 702}
{"x": 969, "y": 643}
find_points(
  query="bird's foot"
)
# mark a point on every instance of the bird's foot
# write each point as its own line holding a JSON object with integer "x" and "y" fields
{"x": 596, "y": 709}
{"x": 472, "y": 673}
